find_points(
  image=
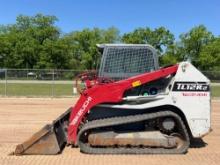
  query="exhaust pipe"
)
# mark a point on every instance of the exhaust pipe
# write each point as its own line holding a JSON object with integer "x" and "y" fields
{"x": 50, "y": 140}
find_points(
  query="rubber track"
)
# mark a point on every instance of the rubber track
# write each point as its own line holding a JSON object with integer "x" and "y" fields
{"x": 85, "y": 148}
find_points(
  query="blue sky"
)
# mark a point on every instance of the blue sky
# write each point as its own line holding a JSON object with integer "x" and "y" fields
{"x": 177, "y": 15}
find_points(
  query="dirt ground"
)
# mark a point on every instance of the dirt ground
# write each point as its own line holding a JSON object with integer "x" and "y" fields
{"x": 21, "y": 117}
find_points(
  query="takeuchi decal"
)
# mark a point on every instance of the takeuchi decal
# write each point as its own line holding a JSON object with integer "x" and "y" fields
{"x": 81, "y": 111}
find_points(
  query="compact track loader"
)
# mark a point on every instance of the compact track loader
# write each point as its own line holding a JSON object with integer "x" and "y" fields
{"x": 131, "y": 106}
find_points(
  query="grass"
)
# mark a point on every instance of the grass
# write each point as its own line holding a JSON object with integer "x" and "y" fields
{"x": 215, "y": 91}
{"x": 37, "y": 90}
{"x": 56, "y": 90}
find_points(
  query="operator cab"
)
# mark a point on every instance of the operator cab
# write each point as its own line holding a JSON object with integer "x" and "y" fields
{"x": 120, "y": 61}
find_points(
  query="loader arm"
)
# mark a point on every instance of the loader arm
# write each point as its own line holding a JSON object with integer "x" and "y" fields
{"x": 108, "y": 93}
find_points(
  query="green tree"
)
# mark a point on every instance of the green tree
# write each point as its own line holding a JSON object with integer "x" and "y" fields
{"x": 24, "y": 40}
{"x": 54, "y": 54}
{"x": 188, "y": 47}
{"x": 84, "y": 45}
{"x": 209, "y": 58}
{"x": 192, "y": 42}
{"x": 160, "y": 38}
{"x": 35, "y": 42}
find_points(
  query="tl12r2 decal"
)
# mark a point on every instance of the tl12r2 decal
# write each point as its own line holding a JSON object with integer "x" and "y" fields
{"x": 190, "y": 86}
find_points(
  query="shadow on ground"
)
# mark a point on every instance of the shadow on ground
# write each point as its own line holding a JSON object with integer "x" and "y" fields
{"x": 198, "y": 143}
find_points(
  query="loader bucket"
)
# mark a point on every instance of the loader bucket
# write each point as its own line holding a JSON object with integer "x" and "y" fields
{"x": 50, "y": 140}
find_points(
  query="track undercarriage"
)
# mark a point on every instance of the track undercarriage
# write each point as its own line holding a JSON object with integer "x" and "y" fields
{"x": 136, "y": 134}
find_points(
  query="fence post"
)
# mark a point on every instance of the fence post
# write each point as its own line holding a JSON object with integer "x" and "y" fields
{"x": 52, "y": 84}
{"x": 6, "y": 77}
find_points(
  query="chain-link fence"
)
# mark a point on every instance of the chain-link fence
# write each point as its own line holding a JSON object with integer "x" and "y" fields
{"x": 37, "y": 83}
{"x": 56, "y": 83}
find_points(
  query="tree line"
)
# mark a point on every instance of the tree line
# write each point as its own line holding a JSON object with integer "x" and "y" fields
{"x": 36, "y": 42}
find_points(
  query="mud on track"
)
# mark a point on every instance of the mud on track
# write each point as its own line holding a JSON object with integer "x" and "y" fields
{"x": 21, "y": 117}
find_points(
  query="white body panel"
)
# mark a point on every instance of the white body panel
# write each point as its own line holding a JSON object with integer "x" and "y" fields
{"x": 193, "y": 100}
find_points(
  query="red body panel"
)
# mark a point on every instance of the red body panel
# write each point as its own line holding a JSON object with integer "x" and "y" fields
{"x": 108, "y": 93}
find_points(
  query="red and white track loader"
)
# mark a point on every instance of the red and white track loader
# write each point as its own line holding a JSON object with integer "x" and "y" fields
{"x": 131, "y": 106}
